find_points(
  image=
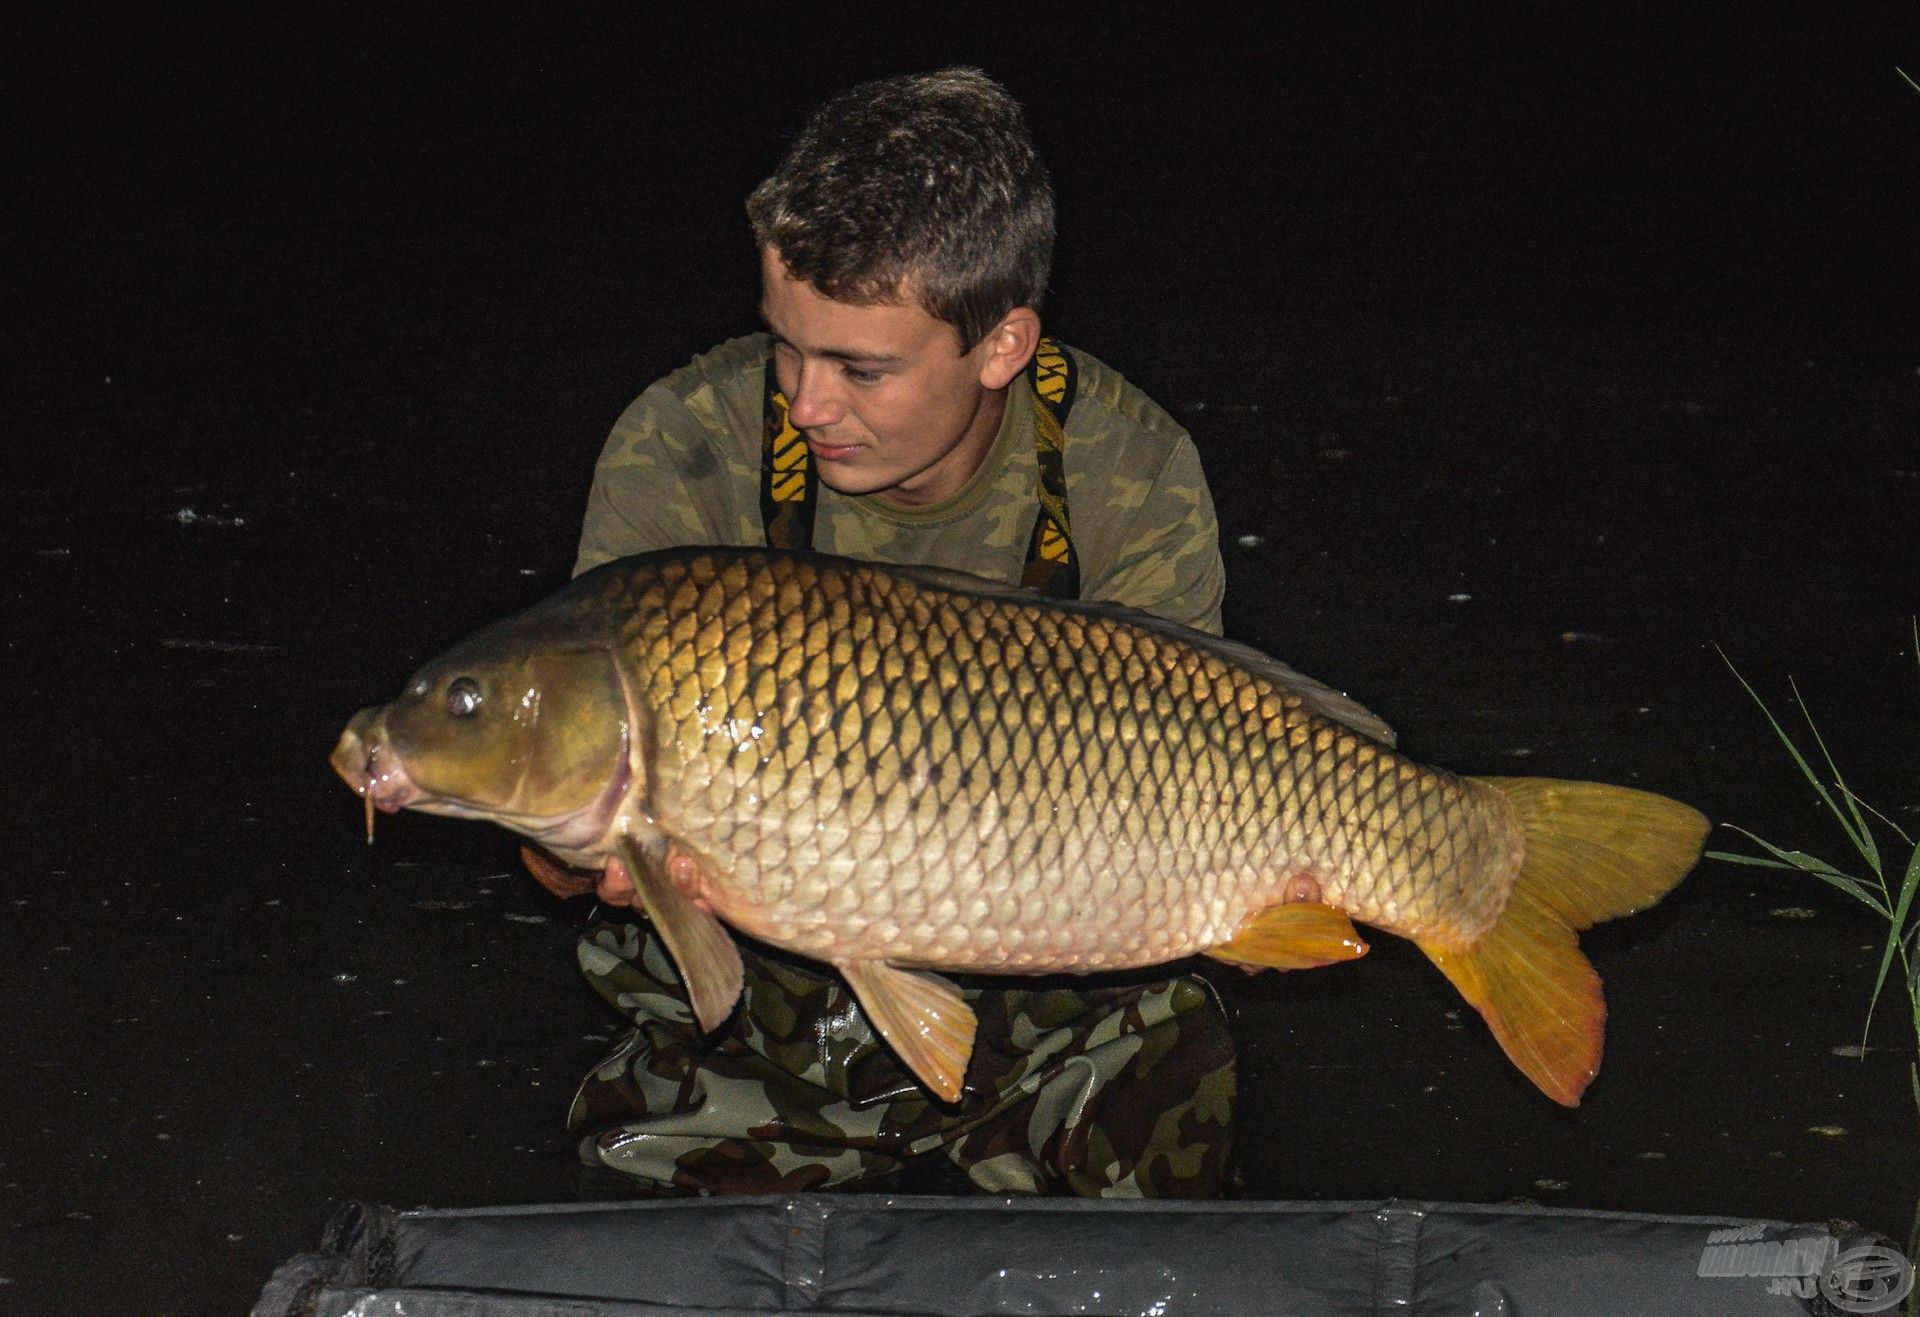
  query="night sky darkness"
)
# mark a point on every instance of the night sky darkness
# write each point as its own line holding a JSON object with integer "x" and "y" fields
{"x": 1528, "y": 364}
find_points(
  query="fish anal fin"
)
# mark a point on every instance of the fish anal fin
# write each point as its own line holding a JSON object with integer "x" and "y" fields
{"x": 1537, "y": 992}
{"x": 922, "y": 1018}
{"x": 699, "y": 943}
{"x": 1294, "y": 935}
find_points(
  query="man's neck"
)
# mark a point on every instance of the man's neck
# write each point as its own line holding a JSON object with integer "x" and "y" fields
{"x": 950, "y": 475}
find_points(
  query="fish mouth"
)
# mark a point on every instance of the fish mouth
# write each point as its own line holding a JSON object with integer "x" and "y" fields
{"x": 367, "y": 764}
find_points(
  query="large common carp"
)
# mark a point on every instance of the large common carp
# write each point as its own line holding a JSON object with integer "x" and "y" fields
{"x": 898, "y": 770}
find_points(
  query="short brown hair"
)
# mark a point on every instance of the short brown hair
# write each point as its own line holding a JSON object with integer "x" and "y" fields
{"x": 926, "y": 185}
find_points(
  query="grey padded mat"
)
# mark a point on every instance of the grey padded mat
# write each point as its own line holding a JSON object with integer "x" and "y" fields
{"x": 957, "y": 1257}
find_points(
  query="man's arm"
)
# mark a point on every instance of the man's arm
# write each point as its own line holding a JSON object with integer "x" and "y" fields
{"x": 1169, "y": 563}
{"x": 661, "y": 481}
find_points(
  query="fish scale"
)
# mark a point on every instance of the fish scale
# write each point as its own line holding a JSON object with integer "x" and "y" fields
{"x": 896, "y": 770}
{"x": 1104, "y": 748}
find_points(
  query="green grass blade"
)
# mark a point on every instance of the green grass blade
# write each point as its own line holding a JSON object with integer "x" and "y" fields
{"x": 1909, "y": 885}
{"x": 1860, "y": 834}
{"x": 1896, "y": 942}
{"x": 1898, "y": 831}
{"x": 1799, "y": 860}
{"x": 1898, "y": 935}
{"x": 1757, "y": 861}
{"x": 1806, "y": 770}
{"x": 1857, "y": 819}
{"x": 1819, "y": 868}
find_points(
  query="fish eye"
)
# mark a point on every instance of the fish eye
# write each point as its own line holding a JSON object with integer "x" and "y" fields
{"x": 463, "y": 697}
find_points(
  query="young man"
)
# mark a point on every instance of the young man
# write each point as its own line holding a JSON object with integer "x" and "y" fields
{"x": 904, "y": 407}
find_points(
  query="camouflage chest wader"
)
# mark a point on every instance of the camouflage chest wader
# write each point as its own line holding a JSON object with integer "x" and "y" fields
{"x": 1108, "y": 1091}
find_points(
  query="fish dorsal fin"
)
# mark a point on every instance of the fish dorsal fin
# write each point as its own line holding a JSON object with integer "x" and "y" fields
{"x": 922, "y": 1018}
{"x": 699, "y": 943}
{"x": 1297, "y": 935}
{"x": 952, "y": 578}
{"x": 1320, "y": 697}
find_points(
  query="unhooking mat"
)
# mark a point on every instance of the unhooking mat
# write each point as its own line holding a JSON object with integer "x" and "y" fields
{"x": 956, "y": 1257}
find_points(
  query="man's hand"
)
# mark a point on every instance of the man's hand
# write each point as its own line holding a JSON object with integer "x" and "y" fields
{"x": 563, "y": 880}
{"x": 612, "y": 884}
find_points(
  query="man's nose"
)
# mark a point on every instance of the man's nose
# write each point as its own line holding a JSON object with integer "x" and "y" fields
{"x": 814, "y": 403}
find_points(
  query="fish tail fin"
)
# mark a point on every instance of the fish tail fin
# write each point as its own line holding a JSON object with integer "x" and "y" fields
{"x": 1593, "y": 852}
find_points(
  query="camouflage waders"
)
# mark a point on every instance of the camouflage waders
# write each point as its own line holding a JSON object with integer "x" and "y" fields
{"x": 1120, "y": 1092}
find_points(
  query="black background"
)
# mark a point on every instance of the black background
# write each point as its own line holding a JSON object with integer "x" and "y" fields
{"x": 1530, "y": 360}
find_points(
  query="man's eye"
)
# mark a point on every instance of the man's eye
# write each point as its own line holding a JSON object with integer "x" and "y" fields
{"x": 859, "y": 376}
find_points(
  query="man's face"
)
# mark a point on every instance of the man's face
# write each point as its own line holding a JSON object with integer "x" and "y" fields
{"x": 888, "y": 402}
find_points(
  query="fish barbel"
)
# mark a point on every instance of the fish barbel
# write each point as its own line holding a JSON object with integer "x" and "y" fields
{"x": 901, "y": 770}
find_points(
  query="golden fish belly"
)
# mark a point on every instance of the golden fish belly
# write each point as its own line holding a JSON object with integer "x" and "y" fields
{"x": 869, "y": 767}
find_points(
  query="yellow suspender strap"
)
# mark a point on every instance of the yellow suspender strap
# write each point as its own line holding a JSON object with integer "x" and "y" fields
{"x": 1052, "y": 566}
{"x": 789, "y": 485}
{"x": 787, "y": 477}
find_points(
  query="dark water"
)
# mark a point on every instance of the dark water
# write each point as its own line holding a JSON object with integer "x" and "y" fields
{"x": 1529, "y": 367}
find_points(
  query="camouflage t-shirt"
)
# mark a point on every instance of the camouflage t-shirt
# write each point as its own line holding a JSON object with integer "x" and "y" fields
{"x": 682, "y": 466}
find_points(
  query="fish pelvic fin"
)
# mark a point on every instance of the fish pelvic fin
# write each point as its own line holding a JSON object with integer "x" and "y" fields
{"x": 699, "y": 943}
{"x": 923, "y": 1019}
{"x": 1593, "y": 852}
{"x": 1295, "y": 935}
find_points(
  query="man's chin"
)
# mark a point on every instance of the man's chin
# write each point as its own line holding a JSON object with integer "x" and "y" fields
{"x": 842, "y": 479}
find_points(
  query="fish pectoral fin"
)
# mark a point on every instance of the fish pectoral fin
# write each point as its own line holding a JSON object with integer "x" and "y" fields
{"x": 1296, "y": 935}
{"x": 922, "y": 1018}
{"x": 699, "y": 943}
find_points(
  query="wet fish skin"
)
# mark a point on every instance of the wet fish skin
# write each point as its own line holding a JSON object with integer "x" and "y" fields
{"x": 899, "y": 769}
{"x": 885, "y": 770}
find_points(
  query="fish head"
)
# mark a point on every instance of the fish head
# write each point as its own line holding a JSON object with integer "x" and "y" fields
{"x": 538, "y": 738}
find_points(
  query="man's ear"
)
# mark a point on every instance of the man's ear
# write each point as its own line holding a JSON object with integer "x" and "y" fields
{"x": 1009, "y": 346}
